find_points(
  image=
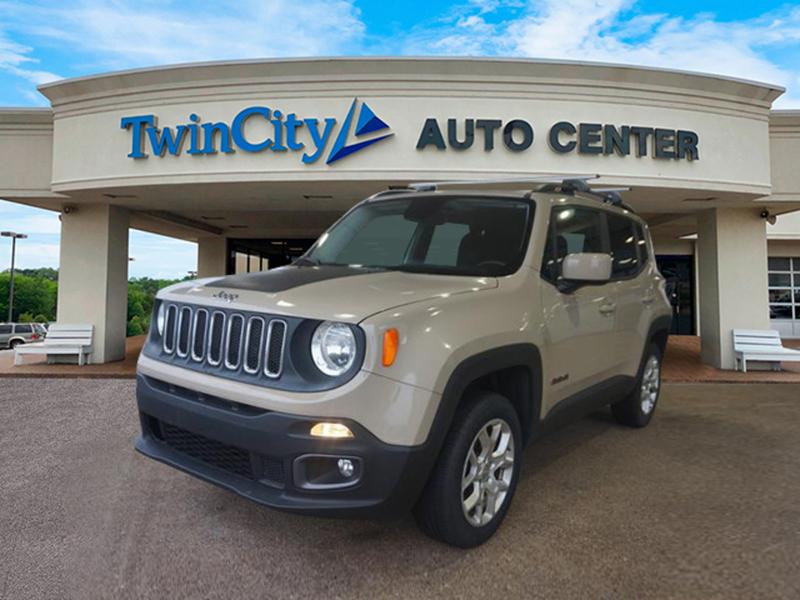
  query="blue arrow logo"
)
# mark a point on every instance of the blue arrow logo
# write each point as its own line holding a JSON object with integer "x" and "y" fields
{"x": 367, "y": 122}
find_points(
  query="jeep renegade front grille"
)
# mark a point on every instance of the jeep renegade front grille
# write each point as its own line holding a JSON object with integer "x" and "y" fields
{"x": 225, "y": 340}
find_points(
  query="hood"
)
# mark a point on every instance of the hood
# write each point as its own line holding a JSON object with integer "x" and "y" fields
{"x": 323, "y": 292}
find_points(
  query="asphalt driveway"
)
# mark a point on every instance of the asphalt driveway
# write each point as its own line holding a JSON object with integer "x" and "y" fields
{"x": 705, "y": 503}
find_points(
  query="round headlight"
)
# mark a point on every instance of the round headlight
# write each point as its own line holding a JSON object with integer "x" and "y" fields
{"x": 160, "y": 318}
{"x": 333, "y": 348}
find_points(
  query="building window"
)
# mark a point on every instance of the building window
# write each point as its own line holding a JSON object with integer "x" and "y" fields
{"x": 784, "y": 295}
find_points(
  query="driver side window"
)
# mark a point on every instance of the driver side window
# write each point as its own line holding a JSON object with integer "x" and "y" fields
{"x": 572, "y": 229}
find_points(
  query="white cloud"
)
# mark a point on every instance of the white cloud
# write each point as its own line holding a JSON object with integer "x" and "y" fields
{"x": 607, "y": 31}
{"x": 14, "y": 59}
{"x": 150, "y": 252}
{"x": 155, "y": 255}
{"x": 28, "y": 220}
{"x": 99, "y": 35}
{"x": 30, "y": 254}
{"x": 128, "y": 33}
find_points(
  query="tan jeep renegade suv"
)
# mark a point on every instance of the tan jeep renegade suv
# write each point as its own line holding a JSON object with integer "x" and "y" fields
{"x": 410, "y": 356}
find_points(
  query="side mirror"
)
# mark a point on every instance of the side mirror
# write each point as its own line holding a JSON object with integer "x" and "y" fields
{"x": 586, "y": 267}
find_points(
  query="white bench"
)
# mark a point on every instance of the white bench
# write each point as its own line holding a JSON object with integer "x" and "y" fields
{"x": 60, "y": 340}
{"x": 752, "y": 344}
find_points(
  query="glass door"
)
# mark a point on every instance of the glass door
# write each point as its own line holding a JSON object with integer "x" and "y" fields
{"x": 678, "y": 270}
{"x": 784, "y": 295}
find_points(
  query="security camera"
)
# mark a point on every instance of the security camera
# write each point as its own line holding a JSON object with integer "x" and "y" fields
{"x": 71, "y": 209}
{"x": 771, "y": 219}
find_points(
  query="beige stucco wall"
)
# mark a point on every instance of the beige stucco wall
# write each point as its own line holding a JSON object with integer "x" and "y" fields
{"x": 212, "y": 256}
{"x": 784, "y": 146}
{"x": 784, "y": 247}
{"x": 26, "y": 152}
{"x": 673, "y": 246}
{"x": 787, "y": 226}
{"x": 404, "y": 92}
{"x": 93, "y": 276}
{"x": 732, "y": 264}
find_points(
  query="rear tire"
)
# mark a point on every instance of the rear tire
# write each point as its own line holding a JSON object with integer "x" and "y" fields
{"x": 14, "y": 343}
{"x": 475, "y": 476}
{"x": 638, "y": 407}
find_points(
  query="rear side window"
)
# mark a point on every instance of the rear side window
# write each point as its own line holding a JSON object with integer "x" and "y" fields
{"x": 624, "y": 253}
{"x": 23, "y": 329}
{"x": 5, "y": 329}
{"x": 572, "y": 229}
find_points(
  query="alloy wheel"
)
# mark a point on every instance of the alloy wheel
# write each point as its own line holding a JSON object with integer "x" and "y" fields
{"x": 488, "y": 470}
{"x": 651, "y": 381}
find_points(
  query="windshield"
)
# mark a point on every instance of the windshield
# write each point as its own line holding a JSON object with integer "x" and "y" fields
{"x": 447, "y": 235}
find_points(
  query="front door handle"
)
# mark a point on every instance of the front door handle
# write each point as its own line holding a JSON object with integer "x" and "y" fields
{"x": 607, "y": 308}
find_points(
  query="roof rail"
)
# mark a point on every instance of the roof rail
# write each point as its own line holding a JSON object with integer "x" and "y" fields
{"x": 566, "y": 184}
{"x": 432, "y": 186}
{"x": 392, "y": 189}
{"x": 572, "y": 186}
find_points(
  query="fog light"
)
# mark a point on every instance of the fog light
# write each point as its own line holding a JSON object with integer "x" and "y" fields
{"x": 346, "y": 467}
{"x": 331, "y": 430}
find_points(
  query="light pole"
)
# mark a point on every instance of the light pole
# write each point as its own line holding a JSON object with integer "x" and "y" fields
{"x": 14, "y": 237}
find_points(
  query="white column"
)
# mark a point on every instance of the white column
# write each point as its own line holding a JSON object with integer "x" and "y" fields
{"x": 93, "y": 275}
{"x": 212, "y": 256}
{"x": 732, "y": 258}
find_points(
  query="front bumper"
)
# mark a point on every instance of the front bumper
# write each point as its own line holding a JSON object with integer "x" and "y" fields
{"x": 264, "y": 455}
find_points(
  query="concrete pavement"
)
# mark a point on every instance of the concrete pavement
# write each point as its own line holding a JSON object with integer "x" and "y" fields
{"x": 701, "y": 504}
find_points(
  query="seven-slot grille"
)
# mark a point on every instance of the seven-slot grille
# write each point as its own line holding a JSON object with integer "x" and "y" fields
{"x": 227, "y": 340}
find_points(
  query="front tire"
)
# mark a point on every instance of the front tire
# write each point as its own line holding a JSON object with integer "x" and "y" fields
{"x": 473, "y": 482}
{"x": 638, "y": 407}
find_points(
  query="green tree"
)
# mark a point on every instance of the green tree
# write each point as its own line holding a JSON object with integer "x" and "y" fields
{"x": 135, "y": 326}
{"x": 141, "y": 297}
{"x": 41, "y": 272}
{"x": 36, "y": 295}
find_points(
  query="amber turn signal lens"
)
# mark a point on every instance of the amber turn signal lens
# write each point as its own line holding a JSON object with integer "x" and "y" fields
{"x": 391, "y": 341}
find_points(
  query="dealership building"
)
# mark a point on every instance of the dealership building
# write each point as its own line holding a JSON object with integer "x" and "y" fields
{"x": 254, "y": 159}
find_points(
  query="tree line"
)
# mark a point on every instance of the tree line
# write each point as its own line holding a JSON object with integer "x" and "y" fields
{"x": 36, "y": 297}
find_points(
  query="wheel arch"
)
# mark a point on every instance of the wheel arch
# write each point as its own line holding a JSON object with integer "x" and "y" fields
{"x": 515, "y": 371}
{"x": 659, "y": 333}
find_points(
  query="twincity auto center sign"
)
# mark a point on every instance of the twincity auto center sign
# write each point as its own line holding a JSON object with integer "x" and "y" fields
{"x": 287, "y": 129}
{"x": 563, "y": 137}
{"x": 310, "y": 136}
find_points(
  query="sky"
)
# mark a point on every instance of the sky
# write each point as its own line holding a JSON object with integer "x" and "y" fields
{"x": 42, "y": 41}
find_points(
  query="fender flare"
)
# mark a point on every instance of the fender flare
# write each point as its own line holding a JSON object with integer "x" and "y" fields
{"x": 467, "y": 372}
{"x": 473, "y": 368}
{"x": 659, "y": 325}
